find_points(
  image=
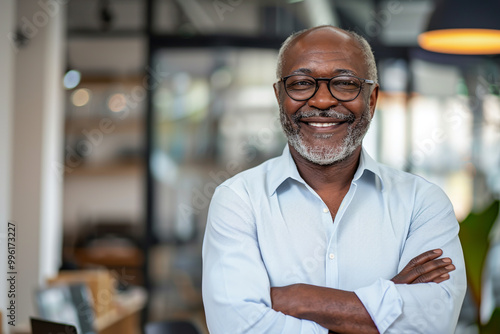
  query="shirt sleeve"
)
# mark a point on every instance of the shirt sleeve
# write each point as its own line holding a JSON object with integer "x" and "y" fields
{"x": 426, "y": 307}
{"x": 236, "y": 287}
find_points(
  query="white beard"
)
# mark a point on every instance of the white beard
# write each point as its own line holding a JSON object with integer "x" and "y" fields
{"x": 324, "y": 154}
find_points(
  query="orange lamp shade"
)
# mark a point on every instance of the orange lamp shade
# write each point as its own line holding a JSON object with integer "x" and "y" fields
{"x": 461, "y": 41}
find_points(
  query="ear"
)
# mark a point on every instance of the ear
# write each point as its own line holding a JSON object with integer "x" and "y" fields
{"x": 276, "y": 91}
{"x": 373, "y": 99}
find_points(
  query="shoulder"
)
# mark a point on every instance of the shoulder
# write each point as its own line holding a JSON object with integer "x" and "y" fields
{"x": 396, "y": 182}
{"x": 395, "y": 179}
{"x": 250, "y": 182}
{"x": 425, "y": 197}
{"x": 235, "y": 199}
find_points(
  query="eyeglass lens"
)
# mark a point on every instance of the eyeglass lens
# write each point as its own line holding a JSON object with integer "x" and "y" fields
{"x": 303, "y": 87}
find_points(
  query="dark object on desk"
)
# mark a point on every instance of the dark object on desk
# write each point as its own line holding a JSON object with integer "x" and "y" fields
{"x": 68, "y": 304}
{"x": 171, "y": 327}
{"x": 41, "y": 326}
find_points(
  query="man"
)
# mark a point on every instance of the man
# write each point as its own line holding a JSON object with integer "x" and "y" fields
{"x": 323, "y": 239}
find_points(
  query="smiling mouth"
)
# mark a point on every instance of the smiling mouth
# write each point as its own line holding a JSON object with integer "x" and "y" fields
{"x": 322, "y": 125}
{"x": 322, "y": 121}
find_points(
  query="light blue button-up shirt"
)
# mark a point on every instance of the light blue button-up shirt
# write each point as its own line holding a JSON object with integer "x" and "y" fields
{"x": 268, "y": 228}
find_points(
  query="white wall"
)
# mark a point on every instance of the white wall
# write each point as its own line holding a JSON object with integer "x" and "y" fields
{"x": 109, "y": 197}
{"x": 37, "y": 148}
{"x": 7, "y": 10}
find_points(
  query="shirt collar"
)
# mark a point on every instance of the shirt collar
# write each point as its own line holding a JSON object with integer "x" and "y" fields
{"x": 283, "y": 168}
{"x": 366, "y": 163}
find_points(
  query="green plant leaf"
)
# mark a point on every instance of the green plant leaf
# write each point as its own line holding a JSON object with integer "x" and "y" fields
{"x": 493, "y": 326}
{"x": 474, "y": 232}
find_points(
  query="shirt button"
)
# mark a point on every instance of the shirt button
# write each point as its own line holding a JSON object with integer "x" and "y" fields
{"x": 325, "y": 210}
{"x": 331, "y": 256}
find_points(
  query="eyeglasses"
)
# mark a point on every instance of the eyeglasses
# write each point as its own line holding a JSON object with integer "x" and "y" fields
{"x": 344, "y": 88}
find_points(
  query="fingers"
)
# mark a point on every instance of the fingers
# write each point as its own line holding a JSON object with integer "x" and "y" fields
{"x": 426, "y": 268}
{"x": 404, "y": 278}
{"x": 435, "y": 271}
{"x": 423, "y": 258}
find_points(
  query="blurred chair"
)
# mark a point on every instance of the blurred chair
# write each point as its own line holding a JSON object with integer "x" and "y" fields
{"x": 171, "y": 327}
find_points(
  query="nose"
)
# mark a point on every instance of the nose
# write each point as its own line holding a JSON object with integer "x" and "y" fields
{"x": 323, "y": 99}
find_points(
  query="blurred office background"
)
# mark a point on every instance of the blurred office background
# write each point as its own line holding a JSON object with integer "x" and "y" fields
{"x": 120, "y": 117}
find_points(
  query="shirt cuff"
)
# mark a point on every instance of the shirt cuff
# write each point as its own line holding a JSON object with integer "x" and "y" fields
{"x": 382, "y": 301}
{"x": 301, "y": 326}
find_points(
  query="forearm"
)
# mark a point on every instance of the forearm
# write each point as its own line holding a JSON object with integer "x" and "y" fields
{"x": 338, "y": 310}
{"x": 429, "y": 308}
{"x": 370, "y": 308}
{"x": 413, "y": 308}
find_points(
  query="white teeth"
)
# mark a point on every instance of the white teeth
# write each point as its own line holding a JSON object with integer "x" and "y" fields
{"x": 322, "y": 125}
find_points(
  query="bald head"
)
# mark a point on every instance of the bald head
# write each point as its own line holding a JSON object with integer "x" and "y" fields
{"x": 346, "y": 38}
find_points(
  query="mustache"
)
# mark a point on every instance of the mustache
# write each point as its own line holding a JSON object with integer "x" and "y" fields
{"x": 349, "y": 118}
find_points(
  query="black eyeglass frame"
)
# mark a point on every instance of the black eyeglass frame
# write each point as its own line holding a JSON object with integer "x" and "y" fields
{"x": 363, "y": 81}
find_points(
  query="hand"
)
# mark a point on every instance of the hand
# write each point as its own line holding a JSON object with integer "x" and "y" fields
{"x": 425, "y": 268}
{"x": 338, "y": 310}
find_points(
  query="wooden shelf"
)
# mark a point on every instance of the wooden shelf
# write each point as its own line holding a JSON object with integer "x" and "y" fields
{"x": 75, "y": 126}
{"x": 132, "y": 167}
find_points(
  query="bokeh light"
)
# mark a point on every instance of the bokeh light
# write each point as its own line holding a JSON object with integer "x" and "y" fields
{"x": 80, "y": 97}
{"x": 71, "y": 79}
{"x": 117, "y": 102}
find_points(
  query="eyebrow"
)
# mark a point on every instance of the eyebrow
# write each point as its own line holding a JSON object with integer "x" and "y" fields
{"x": 304, "y": 70}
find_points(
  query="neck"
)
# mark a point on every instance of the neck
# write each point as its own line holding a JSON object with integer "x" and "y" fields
{"x": 336, "y": 176}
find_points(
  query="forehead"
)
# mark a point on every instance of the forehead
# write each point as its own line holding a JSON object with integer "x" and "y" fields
{"x": 325, "y": 52}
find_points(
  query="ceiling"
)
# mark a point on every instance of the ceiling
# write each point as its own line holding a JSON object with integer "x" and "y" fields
{"x": 392, "y": 22}
{"x": 109, "y": 36}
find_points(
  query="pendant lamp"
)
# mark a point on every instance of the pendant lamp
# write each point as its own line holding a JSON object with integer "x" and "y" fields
{"x": 463, "y": 27}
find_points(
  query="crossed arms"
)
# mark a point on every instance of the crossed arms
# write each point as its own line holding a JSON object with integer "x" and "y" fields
{"x": 342, "y": 311}
{"x": 246, "y": 283}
